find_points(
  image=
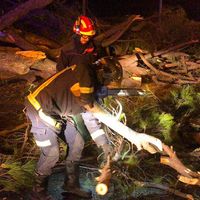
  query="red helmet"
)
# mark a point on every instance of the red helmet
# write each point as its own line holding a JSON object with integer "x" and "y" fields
{"x": 84, "y": 26}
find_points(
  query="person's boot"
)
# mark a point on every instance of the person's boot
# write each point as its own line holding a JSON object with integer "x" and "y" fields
{"x": 71, "y": 183}
{"x": 41, "y": 182}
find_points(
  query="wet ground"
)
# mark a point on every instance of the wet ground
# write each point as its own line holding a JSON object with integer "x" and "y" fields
{"x": 87, "y": 182}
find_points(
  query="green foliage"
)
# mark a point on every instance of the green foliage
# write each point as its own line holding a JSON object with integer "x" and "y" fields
{"x": 107, "y": 101}
{"x": 158, "y": 121}
{"x": 164, "y": 118}
{"x": 17, "y": 175}
{"x": 166, "y": 122}
{"x": 8, "y": 185}
{"x": 142, "y": 111}
{"x": 185, "y": 97}
{"x": 131, "y": 160}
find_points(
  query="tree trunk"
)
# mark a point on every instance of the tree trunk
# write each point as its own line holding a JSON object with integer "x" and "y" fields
{"x": 20, "y": 11}
{"x": 21, "y": 62}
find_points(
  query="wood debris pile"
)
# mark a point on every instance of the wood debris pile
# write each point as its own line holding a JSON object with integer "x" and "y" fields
{"x": 169, "y": 66}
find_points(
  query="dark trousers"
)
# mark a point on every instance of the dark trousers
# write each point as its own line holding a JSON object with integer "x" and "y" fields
{"x": 47, "y": 139}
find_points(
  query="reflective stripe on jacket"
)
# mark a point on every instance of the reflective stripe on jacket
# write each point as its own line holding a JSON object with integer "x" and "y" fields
{"x": 54, "y": 99}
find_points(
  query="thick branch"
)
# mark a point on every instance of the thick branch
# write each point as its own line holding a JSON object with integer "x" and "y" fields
{"x": 115, "y": 29}
{"x": 140, "y": 140}
{"x": 20, "y": 11}
{"x": 16, "y": 39}
{"x": 22, "y": 62}
{"x": 120, "y": 32}
{"x": 176, "y": 164}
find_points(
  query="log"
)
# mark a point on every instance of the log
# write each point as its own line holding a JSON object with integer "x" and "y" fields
{"x": 20, "y": 11}
{"x": 133, "y": 69}
{"x": 21, "y": 62}
{"x": 28, "y": 40}
{"x": 127, "y": 60}
{"x": 104, "y": 179}
{"x": 13, "y": 37}
{"x": 131, "y": 72}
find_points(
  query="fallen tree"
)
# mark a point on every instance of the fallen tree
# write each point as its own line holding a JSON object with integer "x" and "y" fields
{"x": 141, "y": 141}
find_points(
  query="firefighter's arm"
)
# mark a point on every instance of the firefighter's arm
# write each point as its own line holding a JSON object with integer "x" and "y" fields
{"x": 60, "y": 64}
{"x": 86, "y": 84}
{"x": 63, "y": 59}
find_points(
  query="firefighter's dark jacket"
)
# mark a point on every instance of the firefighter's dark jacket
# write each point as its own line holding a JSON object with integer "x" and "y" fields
{"x": 59, "y": 96}
{"x": 75, "y": 53}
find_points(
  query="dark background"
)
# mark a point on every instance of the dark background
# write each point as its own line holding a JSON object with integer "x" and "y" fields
{"x": 110, "y": 8}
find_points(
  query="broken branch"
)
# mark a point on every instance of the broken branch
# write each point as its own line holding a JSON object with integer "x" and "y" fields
{"x": 175, "y": 163}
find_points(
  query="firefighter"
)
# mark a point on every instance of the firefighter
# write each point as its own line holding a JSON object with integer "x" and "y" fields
{"x": 81, "y": 48}
{"x": 51, "y": 107}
